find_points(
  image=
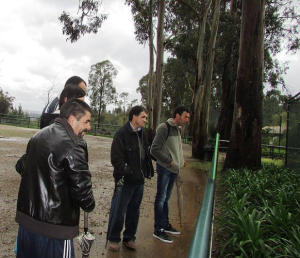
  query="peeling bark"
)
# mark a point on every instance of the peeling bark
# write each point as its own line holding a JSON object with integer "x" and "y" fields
{"x": 245, "y": 141}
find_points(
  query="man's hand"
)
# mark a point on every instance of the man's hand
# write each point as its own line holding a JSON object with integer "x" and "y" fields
{"x": 184, "y": 163}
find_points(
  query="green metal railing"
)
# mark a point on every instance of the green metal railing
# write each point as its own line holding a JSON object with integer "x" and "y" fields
{"x": 202, "y": 240}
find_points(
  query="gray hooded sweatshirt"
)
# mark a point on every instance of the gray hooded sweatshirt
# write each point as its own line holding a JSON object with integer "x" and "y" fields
{"x": 166, "y": 151}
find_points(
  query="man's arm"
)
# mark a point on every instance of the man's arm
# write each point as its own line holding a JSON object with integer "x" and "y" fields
{"x": 118, "y": 159}
{"x": 80, "y": 183}
{"x": 157, "y": 145}
{"x": 49, "y": 109}
{"x": 20, "y": 165}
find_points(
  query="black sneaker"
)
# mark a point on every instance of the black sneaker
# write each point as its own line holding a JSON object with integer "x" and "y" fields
{"x": 162, "y": 236}
{"x": 171, "y": 230}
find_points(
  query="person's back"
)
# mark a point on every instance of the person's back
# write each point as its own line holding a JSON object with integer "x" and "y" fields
{"x": 46, "y": 116}
{"x": 70, "y": 91}
{"x": 48, "y": 153}
{"x": 55, "y": 184}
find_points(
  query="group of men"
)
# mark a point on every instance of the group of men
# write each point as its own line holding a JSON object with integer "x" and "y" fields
{"x": 56, "y": 181}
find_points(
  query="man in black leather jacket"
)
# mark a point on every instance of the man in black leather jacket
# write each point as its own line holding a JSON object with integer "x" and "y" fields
{"x": 55, "y": 184}
{"x": 131, "y": 160}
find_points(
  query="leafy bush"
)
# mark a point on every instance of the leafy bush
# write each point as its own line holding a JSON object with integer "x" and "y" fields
{"x": 261, "y": 213}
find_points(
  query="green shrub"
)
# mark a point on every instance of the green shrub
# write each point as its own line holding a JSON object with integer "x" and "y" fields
{"x": 259, "y": 212}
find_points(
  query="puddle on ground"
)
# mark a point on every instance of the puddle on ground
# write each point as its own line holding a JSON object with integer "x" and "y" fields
{"x": 14, "y": 139}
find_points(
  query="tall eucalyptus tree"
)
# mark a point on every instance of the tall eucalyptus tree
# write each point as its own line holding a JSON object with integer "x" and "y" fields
{"x": 101, "y": 90}
{"x": 245, "y": 141}
{"x": 144, "y": 12}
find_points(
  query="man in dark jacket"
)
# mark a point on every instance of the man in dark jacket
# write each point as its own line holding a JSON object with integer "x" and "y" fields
{"x": 131, "y": 160}
{"x": 55, "y": 184}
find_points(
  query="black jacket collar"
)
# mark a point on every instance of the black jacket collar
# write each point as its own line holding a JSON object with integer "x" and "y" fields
{"x": 64, "y": 122}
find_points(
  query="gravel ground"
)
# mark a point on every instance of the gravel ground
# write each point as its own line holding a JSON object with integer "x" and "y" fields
{"x": 13, "y": 142}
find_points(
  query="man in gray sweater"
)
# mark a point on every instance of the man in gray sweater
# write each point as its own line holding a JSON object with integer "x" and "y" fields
{"x": 167, "y": 149}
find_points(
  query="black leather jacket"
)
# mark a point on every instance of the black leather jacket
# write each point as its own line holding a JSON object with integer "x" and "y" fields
{"x": 56, "y": 182}
{"x": 125, "y": 156}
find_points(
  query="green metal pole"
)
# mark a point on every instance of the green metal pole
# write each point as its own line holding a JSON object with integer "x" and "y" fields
{"x": 201, "y": 240}
{"x": 215, "y": 160}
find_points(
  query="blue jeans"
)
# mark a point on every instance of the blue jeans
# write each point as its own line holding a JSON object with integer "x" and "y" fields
{"x": 130, "y": 203}
{"x": 165, "y": 183}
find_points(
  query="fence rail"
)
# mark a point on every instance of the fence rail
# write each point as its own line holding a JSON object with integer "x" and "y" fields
{"x": 268, "y": 150}
{"x": 272, "y": 151}
{"x": 202, "y": 240}
{"x": 34, "y": 122}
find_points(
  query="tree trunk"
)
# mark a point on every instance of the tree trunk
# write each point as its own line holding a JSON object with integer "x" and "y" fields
{"x": 228, "y": 82}
{"x": 150, "y": 79}
{"x": 233, "y": 7}
{"x": 206, "y": 91}
{"x": 159, "y": 65}
{"x": 195, "y": 108}
{"x": 245, "y": 141}
{"x": 100, "y": 106}
{"x": 99, "y": 114}
{"x": 227, "y": 103}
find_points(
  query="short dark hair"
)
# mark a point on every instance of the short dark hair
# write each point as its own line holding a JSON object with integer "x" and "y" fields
{"x": 75, "y": 107}
{"x": 179, "y": 110}
{"x": 135, "y": 111}
{"x": 71, "y": 91}
{"x": 74, "y": 80}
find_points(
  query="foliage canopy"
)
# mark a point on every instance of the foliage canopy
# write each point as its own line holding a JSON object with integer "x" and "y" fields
{"x": 101, "y": 90}
{"x": 6, "y": 102}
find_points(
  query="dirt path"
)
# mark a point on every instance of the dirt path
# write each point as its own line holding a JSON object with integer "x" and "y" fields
{"x": 13, "y": 142}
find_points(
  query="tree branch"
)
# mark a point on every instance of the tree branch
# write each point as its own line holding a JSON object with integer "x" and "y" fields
{"x": 191, "y": 8}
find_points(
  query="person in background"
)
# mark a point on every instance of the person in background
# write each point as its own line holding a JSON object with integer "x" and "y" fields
{"x": 53, "y": 106}
{"x": 70, "y": 91}
{"x": 55, "y": 184}
{"x": 167, "y": 149}
{"x": 131, "y": 160}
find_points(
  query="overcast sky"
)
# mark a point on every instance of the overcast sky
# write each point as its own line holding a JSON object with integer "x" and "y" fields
{"x": 34, "y": 53}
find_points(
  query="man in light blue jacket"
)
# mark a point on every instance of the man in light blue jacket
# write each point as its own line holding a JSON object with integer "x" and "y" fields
{"x": 167, "y": 149}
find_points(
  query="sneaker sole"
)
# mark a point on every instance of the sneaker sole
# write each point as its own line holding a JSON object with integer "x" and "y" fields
{"x": 173, "y": 233}
{"x": 163, "y": 240}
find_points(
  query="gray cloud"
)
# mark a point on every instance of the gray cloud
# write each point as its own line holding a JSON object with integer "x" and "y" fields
{"x": 35, "y": 51}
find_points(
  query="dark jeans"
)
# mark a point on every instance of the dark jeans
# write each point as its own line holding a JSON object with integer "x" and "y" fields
{"x": 131, "y": 199}
{"x": 165, "y": 183}
{"x": 31, "y": 245}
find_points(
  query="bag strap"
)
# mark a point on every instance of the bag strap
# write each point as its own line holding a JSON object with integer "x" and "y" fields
{"x": 168, "y": 126}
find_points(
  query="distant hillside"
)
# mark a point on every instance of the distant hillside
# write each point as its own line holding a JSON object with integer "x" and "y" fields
{"x": 33, "y": 113}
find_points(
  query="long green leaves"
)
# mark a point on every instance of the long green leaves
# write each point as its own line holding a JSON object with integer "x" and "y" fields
{"x": 261, "y": 213}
